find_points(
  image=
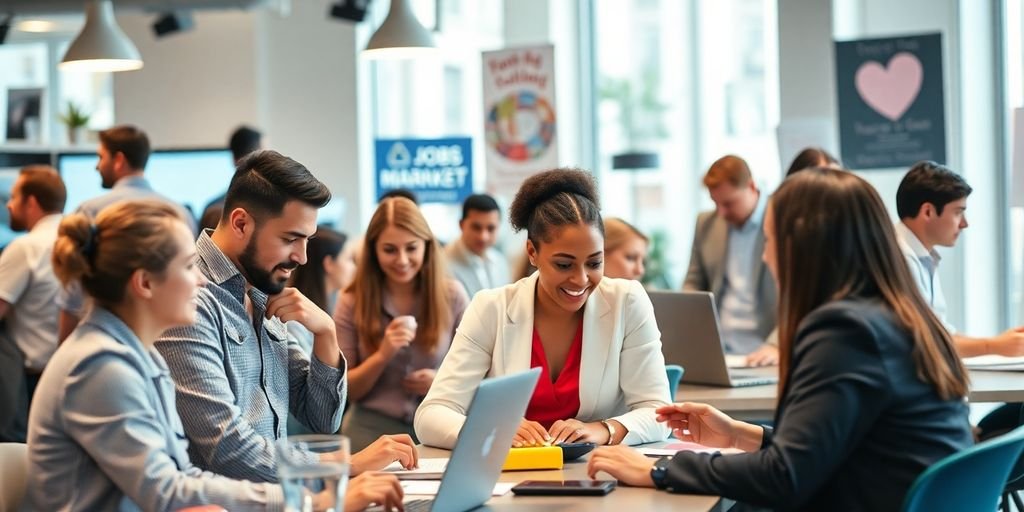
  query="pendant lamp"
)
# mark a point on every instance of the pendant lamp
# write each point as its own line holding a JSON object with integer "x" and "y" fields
{"x": 101, "y": 45}
{"x": 401, "y": 36}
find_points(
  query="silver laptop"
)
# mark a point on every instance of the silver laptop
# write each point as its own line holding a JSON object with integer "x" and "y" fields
{"x": 691, "y": 338}
{"x": 498, "y": 407}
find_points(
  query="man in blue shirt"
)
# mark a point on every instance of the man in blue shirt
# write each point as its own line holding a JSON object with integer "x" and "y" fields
{"x": 238, "y": 372}
{"x": 932, "y": 204}
{"x": 726, "y": 260}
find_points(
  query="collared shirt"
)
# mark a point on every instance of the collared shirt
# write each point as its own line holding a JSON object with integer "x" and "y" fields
{"x": 238, "y": 376}
{"x": 475, "y": 272}
{"x": 27, "y": 283}
{"x": 739, "y": 298}
{"x": 387, "y": 396}
{"x": 127, "y": 188}
{"x": 924, "y": 267}
{"x": 105, "y": 435}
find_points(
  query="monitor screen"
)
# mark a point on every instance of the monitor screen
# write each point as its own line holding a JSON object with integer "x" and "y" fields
{"x": 190, "y": 177}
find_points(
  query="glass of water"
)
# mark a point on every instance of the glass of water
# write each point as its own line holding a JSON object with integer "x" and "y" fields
{"x": 314, "y": 472}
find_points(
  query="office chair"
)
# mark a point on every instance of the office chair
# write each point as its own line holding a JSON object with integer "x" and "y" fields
{"x": 675, "y": 374}
{"x": 970, "y": 480}
{"x": 1015, "y": 483}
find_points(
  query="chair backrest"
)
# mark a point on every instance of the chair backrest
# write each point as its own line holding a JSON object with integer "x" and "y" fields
{"x": 675, "y": 374}
{"x": 970, "y": 480}
{"x": 13, "y": 476}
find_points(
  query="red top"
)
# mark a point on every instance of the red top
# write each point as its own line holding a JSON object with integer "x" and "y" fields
{"x": 558, "y": 400}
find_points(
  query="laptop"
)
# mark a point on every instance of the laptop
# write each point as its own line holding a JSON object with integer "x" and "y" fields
{"x": 468, "y": 479}
{"x": 691, "y": 338}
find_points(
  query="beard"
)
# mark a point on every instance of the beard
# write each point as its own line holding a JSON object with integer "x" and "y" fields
{"x": 262, "y": 280}
{"x": 16, "y": 222}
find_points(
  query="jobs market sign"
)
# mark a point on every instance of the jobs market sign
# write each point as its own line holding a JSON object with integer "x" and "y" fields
{"x": 436, "y": 170}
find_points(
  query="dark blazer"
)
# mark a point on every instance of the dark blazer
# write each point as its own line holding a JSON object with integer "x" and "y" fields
{"x": 854, "y": 427}
{"x": 707, "y": 268}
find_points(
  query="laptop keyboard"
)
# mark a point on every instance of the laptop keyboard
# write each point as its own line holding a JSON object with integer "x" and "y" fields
{"x": 418, "y": 505}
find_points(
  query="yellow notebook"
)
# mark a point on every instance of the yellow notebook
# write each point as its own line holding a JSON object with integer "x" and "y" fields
{"x": 539, "y": 457}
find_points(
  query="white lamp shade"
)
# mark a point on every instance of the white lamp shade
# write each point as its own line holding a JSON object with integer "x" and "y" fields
{"x": 101, "y": 45}
{"x": 401, "y": 36}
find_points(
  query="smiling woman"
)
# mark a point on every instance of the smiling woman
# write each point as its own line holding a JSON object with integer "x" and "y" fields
{"x": 395, "y": 322}
{"x": 580, "y": 329}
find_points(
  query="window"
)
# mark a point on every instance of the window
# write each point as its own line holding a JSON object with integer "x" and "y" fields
{"x": 442, "y": 97}
{"x": 689, "y": 81}
{"x": 1013, "y": 22}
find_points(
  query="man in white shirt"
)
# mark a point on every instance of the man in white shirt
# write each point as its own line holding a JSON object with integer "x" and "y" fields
{"x": 28, "y": 286}
{"x": 122, "y": 154}
{"x": 931, "y": 202}
{"x": 472, "y": 259}
{"x": 726, "y": 260}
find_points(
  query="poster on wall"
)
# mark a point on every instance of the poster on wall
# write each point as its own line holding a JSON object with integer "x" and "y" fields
{"x": 890, "y": 96}
{"x": 436, "y": 170}
{"x": 23, "y": 114}
{"x": 520, "y": 124}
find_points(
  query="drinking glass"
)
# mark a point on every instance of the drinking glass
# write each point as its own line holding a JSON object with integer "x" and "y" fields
{"x": 313, "y": 470}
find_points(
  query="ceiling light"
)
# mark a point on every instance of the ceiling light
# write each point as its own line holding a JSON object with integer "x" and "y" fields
{"x": 401, "y": 36}
{"x": 36, "y": 26}
{"x": 101, "y": 45}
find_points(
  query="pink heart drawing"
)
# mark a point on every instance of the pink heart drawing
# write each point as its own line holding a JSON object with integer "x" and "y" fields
{"x": 890, "y": 92}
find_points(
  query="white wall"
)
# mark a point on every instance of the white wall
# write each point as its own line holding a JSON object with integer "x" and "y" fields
{"x": 307, "y": 96}
{"x": 292, "y": 76}
{"x": 195, "y": 87}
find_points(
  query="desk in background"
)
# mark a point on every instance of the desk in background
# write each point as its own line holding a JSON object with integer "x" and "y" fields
{"x": 758, "y": 402}
{"x": 622, "y": 499}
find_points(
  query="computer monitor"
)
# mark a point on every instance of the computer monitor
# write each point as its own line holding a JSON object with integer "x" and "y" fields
{"x": 191, "y": 177}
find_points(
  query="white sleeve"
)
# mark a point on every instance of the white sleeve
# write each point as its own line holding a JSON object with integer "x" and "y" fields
{"x": 642, "y": 371}
{"x": 441, "y": 415}
{"x": 15, "y": 274}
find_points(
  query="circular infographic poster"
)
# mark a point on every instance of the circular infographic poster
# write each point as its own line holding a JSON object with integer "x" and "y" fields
{"x": 521, "y": 126}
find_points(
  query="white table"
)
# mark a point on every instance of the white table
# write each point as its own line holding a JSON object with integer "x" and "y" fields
{"x": 758, "y": 402}
{"x": 622, "y": 499}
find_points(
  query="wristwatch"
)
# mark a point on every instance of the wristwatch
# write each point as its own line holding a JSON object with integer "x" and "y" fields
{"x": 659, "y": 472}
{"x": 611, "y": 430}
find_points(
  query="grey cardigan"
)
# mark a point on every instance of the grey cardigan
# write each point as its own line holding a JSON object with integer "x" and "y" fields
{"x": 104, "y": 433}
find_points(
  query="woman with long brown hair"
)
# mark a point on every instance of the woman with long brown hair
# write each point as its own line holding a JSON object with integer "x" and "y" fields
{"x": 871, "y": 390}
{"x": 395, "y": 322}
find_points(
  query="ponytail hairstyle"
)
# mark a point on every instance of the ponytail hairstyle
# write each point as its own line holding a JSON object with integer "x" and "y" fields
{"x": 552, "y": 199}
{"x": 125, "y": 237}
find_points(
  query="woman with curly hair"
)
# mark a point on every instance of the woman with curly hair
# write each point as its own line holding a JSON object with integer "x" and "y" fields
{"x": 595, "y": 340}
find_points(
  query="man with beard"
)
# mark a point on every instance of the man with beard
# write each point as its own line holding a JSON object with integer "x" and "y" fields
{"x": 123, "y": 152}
{"x": 27, "y": 291}
{"x": 237, "y": 370}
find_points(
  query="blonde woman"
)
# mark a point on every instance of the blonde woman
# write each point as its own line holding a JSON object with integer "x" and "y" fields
{"x": 395, "y": 322}
{"x": 625, "y": 249}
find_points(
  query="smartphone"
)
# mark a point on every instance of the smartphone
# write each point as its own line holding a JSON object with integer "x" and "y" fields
{"x": 564, "y": 487}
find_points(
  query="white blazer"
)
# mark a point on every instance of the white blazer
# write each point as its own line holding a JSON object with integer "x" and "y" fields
{"x": 622, "y": 370}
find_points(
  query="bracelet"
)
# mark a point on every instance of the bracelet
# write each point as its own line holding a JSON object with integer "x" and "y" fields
{"x": 611, "y": 431}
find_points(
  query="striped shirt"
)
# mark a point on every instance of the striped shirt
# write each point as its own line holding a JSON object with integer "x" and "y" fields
{"x": 238, "y": 377}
